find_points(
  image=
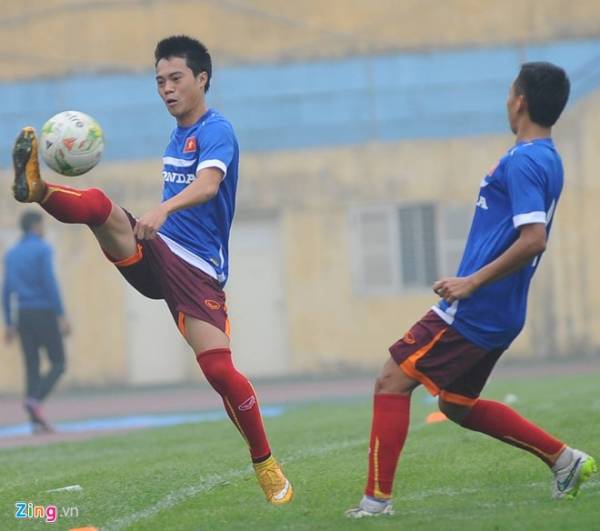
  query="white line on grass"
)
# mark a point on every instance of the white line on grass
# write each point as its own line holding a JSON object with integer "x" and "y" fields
{"x": 210, "y": 482}
{"x": 591, "y": 487}
{"x": 214, "y": 480}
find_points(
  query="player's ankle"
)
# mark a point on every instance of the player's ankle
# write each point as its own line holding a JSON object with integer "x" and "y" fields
{"x": 43, "y": 192}
{"x": 563, "y": 460}
{"x": 378, "y": 500}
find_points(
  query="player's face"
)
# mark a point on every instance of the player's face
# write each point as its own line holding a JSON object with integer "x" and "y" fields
{"x": 514, "y": 106}
{"x": 182, "y": 92}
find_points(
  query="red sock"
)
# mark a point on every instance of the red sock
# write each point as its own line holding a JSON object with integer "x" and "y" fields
{"x": 238, "y": 397}
{"x": 391, "y": 415}
{"x": 69, "y": 205}
{"x": 504, "y": 423}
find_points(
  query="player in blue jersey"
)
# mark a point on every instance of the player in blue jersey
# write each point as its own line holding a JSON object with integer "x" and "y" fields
{"x": 453, "y": 348}
{"x": 178, "y": 251}
{"x": 41, "y": 322}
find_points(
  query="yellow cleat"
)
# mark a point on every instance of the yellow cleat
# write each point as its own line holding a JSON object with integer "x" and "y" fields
{"x": 28, "y": 186}
{"x": 278, "y": 490}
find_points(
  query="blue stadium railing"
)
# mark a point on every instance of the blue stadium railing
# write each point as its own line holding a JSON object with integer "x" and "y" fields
{"x": 433, "y": 94}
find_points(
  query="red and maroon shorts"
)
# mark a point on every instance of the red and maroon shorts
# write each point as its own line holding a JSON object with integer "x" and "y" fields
{"x": 447, "y": 364}
{"x": 157, "y": 273}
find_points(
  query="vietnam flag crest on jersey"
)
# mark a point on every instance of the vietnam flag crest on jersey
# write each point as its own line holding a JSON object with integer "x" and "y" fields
{"x": 190, "y": 145}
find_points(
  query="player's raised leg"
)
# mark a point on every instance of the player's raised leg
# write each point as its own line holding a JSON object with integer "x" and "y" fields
{"x": 571, "y": 467}
{"x": 241, "y": 403}
{"x": 91, "y": 207}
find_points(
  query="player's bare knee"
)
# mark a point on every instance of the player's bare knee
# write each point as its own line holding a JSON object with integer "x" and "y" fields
{"x": 393, "y": 380}
{"x": 117, "y": 219}
{"x": 446, "y": 408}
{"x": 115, "y": 235}
{"x": 378, "y": 385}
{"x": 455, "y": 412}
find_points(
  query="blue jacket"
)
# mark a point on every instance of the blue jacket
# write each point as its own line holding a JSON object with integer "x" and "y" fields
{"x": 29, "y": 274}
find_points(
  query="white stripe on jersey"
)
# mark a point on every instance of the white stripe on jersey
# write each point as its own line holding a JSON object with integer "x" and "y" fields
{"x": 190, "y": 257}
{"x": 215, "y": 163}
{"x": 447, "y": 315}
{"x": 530, "y": 217}
{"x": 183, "y": 163}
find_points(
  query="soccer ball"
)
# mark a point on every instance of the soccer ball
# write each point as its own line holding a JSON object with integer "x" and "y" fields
{"x": 71, "y": 143}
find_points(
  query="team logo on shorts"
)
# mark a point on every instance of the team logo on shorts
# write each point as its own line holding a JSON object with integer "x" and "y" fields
{"x": 409, "y": 339}
{"x": 190, "y": 145}
{"x": 212, "y": 305}
{"x": 248, "y": 404}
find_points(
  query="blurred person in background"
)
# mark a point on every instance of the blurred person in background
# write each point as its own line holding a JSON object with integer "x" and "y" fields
{"x": 29, "y": 281}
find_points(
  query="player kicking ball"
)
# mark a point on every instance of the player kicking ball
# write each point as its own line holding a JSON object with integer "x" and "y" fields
{"x": 178, "y": 251}
{"x": 454, "y": 347}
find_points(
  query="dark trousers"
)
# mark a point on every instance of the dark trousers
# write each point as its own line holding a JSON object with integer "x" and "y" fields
{"x": 38, "y": 329}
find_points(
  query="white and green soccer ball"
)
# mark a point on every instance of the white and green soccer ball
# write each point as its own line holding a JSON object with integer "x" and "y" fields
{"x": 71, "y": 143}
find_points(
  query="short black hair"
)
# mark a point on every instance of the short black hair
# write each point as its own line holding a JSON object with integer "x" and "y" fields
{"x": 193, "y": 51}
{"x": 546, "y": 89}
{"x": 29, "y": 219}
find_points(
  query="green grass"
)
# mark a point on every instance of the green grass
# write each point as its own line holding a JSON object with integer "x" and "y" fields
{"x": 198, "y": 477}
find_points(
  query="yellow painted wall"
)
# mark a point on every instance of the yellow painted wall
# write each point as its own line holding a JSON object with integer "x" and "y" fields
{"x": 330, "y": 325}
{"x": 55, "y": 36}
{"x": 92, "y": 289}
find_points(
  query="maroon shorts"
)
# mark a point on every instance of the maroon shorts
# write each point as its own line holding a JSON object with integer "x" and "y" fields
{"x": 157, "y": 273}
{"x": 435, "y": 354}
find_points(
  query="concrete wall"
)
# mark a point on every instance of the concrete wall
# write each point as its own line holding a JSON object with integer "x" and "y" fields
{"x": 55, "y": 36}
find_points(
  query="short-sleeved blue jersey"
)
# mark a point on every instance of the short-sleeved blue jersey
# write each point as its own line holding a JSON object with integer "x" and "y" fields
{"x": 200, "y": 234}
{"x": 523, "y": 188}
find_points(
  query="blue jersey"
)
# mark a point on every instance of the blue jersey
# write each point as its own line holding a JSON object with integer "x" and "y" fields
{"x": 29, "y": 274}
{"x": 523, "y": 188}
{"x": 200, "y": 234}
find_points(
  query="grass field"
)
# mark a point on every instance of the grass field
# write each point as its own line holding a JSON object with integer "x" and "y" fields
{"x": 197, "y": 476}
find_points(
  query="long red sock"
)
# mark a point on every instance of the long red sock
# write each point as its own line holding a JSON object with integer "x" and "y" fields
{"x": 69, "y": 205}
{"x": 391, "y": 416}
{"x": 238, "y": 397}
{"x": 504, "y": 423}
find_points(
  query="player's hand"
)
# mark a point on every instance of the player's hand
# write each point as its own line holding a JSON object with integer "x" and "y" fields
{"x": 149, "y": 224}
{"x": 454, "y": 288}
{"x": 9, "y": 334}
{"x": 64, "y": 326}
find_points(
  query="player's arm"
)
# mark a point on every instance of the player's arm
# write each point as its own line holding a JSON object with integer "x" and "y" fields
{"x": 216, "y": 149}
{"x": 530, "y": 243}
{"x": 202, "y": 189}
{"x": 526, "y": 190}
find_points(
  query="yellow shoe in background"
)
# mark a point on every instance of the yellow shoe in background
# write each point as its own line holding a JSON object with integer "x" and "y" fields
{"x": 28, "y": 186}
